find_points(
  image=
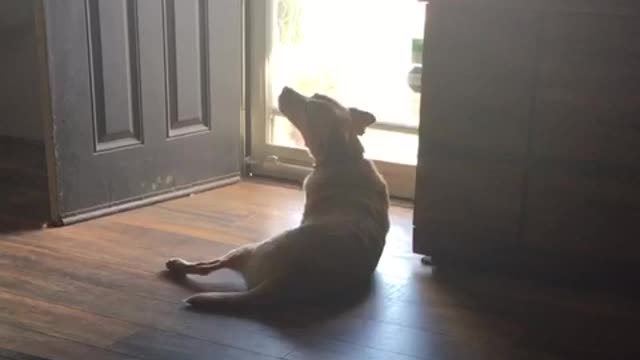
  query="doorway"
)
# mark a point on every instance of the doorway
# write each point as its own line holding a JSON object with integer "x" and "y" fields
{"x": 365, "y": 54}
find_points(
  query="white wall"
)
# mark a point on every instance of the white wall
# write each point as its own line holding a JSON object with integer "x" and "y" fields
{"x": 19, "y": 77}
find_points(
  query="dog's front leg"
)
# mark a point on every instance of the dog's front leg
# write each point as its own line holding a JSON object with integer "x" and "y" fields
{"x": 233, "y": 260}
{"x": 183, "y": 267}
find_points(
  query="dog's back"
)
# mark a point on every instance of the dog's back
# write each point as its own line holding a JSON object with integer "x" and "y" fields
{"x": 339, "y": 241}
{"x": 353, "y": 197}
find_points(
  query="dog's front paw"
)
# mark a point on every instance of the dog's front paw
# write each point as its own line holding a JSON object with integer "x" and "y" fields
{"x": 177, "y": 266}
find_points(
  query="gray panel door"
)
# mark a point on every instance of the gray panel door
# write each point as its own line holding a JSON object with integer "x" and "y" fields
{"x": 145, "y": 97}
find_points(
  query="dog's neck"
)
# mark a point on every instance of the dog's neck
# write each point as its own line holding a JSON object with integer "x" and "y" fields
{"x": 341, "y": 154}
{"x": 343, "y": 162}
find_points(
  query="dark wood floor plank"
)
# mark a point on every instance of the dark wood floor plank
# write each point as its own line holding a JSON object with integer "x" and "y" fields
{"x": 62, "y": 322}
{"x": 400, "y": 340}
{"x": 79, "y": 268}
{"x": 14, "y": 355}
{"x": 23, "y": 344}
{"x": 323, "y": 349}
{"x": 160, "y": 345}
{"x": 123, "y": 243}
{"x": 110, "y": 334}
{"x": 161, "y": 315}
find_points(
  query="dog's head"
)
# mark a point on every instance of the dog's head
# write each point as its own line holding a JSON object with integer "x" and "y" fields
{"x": 330, "y": 130}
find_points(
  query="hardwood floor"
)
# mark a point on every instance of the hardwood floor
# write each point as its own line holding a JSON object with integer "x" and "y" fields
{"x": 96, "y": 290}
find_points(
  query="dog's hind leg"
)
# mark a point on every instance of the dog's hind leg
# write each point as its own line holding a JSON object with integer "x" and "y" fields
{"x": 235, "y": 259}
{"x": 264, "y": 293}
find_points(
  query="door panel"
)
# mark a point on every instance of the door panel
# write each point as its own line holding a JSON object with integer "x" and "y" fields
{"x": 112, "y": 31}
{"x": 145, "y": 97}
{"x": 187, "y": 32}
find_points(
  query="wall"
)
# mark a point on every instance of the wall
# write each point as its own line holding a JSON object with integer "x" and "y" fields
{"x": 19, "y": 89}
{"x": 530, "y": 132}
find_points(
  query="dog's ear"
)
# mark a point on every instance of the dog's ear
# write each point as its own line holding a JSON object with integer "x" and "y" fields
{"x": 360, "y": 120}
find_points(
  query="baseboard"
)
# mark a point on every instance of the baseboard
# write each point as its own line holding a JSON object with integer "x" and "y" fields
{"x": 146, "y": 201}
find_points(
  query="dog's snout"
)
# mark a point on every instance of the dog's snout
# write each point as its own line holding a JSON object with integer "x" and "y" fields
{"x": 282, "y": 99}
{"x": 289, "y": 99}
{"x": 289, "y": 93}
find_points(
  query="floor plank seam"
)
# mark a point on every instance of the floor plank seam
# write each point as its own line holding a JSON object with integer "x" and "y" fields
{"x": 76, "y": 341}
{"x": 145, "y": 326}
{"x": 365, "y": 346}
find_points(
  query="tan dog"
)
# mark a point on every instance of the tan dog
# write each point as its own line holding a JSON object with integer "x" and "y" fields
{"x": 338, "y": 244}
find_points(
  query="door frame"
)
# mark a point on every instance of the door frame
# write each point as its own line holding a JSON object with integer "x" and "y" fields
{"x": 279, "y": 161}
{"x": 46, "y": 111}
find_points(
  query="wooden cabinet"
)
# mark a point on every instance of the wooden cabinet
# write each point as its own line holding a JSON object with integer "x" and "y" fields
{"x": 583, "y": 193}
{"x": 530, "y": 135}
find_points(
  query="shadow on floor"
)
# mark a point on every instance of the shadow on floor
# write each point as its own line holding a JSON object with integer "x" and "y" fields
{"x": 564, "y": 321}
{"x": 281, "y": 316}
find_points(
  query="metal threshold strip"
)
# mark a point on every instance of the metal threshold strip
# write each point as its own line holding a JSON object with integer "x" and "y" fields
{"x": 274, "y": 161}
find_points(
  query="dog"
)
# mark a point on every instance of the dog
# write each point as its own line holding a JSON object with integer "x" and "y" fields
{"x": 337, "y": 245}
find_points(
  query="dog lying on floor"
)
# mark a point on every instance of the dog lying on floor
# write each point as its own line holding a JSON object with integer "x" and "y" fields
{"x": 340, "y": 239}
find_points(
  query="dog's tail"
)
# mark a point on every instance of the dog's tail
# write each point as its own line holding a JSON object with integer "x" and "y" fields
{"x": 263, "y": 293}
